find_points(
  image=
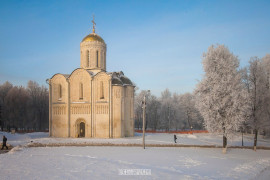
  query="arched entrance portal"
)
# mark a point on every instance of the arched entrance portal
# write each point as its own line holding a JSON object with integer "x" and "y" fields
{"x": 80, "y": 128}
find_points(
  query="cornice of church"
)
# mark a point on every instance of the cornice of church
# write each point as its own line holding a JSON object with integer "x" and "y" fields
{"x": 93, "y": 44}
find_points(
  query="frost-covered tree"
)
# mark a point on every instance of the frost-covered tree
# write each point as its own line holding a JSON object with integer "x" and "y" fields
{"x": 138, "y": 109}
{"x": 166, "y": 109}
{"x": 258, "y": 88}
{"x": 266, "y": 67}
{"x": 167, "y": 112}
{"x": 152, "y": 112}
{"x": 176, "y": 114}
{"x": 245, "y": 80}
{"x": 220, "y": 96}
{"x": 191, "y": 114}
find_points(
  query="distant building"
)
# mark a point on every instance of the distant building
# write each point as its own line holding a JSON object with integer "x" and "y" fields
{"x": 91, "y": 102}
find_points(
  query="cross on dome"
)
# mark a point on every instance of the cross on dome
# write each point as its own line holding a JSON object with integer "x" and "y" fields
{"x": 94, "y": 24}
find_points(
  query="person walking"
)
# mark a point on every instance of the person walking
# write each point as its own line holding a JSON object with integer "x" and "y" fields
{"x": 174, "y": 138}
{"x": 4, "y": 142}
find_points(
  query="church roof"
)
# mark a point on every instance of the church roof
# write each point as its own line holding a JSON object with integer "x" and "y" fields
{"x": 90, "y": 72}
{"x": 116, "y": 81}
{"x": 118, "y": 78}
{"x": 66, "y": 75}
{"x": 93, "y": 37}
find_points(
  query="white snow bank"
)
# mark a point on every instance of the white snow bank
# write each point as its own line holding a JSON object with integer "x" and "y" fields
{"x": 192, "y": 136}
{"x": 16, "y": 149}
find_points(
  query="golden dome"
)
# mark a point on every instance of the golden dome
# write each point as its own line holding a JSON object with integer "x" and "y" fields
{"x": 93, "y": 37}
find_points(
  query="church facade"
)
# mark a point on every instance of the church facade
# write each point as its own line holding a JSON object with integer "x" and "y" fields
{"x": 91, "y": 102}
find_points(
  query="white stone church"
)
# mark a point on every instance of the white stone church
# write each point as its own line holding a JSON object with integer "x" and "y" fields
{"x": 91, "y": 102}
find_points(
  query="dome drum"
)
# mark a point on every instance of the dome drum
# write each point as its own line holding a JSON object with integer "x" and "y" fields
{"x": 93, "y": 53}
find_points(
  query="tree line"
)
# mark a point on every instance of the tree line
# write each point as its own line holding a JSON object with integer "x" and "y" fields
{"x": 24, "y": 108}
{"x": 169, "y": 112}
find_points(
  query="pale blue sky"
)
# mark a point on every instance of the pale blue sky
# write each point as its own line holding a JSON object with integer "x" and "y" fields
{"x": 157, "y": 44}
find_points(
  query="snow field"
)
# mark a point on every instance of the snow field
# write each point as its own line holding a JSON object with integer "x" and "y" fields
{"x": 105, "y": 163}
{"x": 97, "y": 162}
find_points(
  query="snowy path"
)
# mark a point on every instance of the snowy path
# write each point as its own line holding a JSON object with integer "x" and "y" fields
{"x": 185, "y": 139}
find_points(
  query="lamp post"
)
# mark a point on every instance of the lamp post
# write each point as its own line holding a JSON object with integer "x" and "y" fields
{"x": 144, "y": 106}
{"x": 190, "y": 126}
{"x": 169, "y": 119}
{"x": 1, "y": 126}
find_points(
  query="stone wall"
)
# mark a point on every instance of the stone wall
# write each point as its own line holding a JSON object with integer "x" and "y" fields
{"x": 59, "y": 122}
{"x": 105, "y": 109}
{"x": 117, "y": 111}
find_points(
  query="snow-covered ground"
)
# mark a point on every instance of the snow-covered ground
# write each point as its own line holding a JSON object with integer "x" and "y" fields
{"x": 151, "y": 138}
{"x": 92, "y": 162}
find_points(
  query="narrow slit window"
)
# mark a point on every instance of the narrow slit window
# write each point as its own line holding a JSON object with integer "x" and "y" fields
{"x": 81, "y": 91}
{"x": 101, "y": 59}
{"x": 104, "y": 60}
{"x": 87, "y": 58}
{"x": 101, "y": 90}
{"x": 60, "y": 91}
{"x": 97, "y": 60}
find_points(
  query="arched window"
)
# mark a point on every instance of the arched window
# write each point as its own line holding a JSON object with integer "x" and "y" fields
{"x": 104, "y": 60}
{"x": 97, "y": 59}
{"x": 60, "y": 91}
{"x": 101, "y": 90}
{"x": 101, "y": 59}
{"x": 87, "y": 58}
{"x": 81, "y": 91}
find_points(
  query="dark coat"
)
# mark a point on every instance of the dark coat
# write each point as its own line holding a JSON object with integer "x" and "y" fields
{"x": 4, "y": 140}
